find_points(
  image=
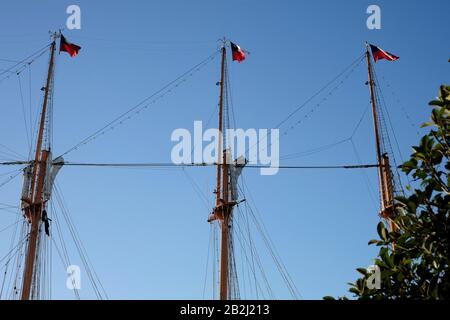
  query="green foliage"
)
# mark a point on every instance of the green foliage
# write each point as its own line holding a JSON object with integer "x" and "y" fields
{"x": 418, "y": 267}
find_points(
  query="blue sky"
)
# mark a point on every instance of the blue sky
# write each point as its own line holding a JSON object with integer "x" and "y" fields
{"x": 145, "y": 230}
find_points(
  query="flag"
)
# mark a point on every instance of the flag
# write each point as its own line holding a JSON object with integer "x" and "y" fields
{"x": 237, "y": 53}
{"x": 379, "y": 53}
{"x": 70, "y": 48}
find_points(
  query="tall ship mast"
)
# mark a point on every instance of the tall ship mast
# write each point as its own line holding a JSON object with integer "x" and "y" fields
{"x": 38, "y": 182}
{"x": 386, "y": 183}
{"x": 226, "y": 191}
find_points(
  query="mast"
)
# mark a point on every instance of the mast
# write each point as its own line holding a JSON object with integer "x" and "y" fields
{"x": 224, "y": 204}
{"x": 222, "y": 207}
{"x": 384, "y": 171}
{"x": 219, "y": 142}
{"x": 33, "y": 203}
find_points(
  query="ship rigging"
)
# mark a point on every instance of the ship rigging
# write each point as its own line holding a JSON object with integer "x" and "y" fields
{"x": 231, "y": 203}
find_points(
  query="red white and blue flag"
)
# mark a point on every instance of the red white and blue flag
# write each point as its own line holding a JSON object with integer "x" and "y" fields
{"x": 237, "y": 53}
{"x": 378, "y": 53}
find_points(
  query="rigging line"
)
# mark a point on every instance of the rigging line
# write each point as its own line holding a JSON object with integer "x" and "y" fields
{"x": 328, "y": 146}
{"x": 95, "y": 280}
{"x": 77, "y": 295}
{"x": 7, "y": 156}
{"x": 64, "y": 254}
{"x": 352, "y": 67}
{"x": 360, "y": 121}
{"x": 10, "y": 179}
{"x": 215, "y": 261}
{"x": 11, "y": 151}
{"x": 386, "y": 143}
{"x": 6, "y": 174}
{"x": 384, "y": 106}
{"x": 250, "y": 240}
{"x": 60, "y": 236}
{"x": 230, "y": 98}
{"x": 243, "y": 234}
{"x": 140, "y": 41}
{"x": 273, "y": 253}
{"x": 25, "y": 60}
{"x": 357, "y": 60}
{"x": 30, "y": 110}
{"x": 278, "y": 262}
{"x": 17, "y": 246}
{"x": 11, "y": 256}
{"x": 6, "y": 210}
{"x": 243, "y": 243}
{"x": 169, "y": 165}
{"x": 81, "y": 254}
{"x": 82, "y": 257}
{"x": 197, "y": 189}
{"x": 244, "y": 272}
{"x": 8, "y": 205}
{"x": 388, "y": 116}
{"x": 366, "y": 178}
{"x": 20, "y": 233}
{"x": 313, "y": 150}
{"x": 207, "y": 124}
{"x": 13, "y": 236}
{"x": 322, "y": 101}
{"x": 267, "y": 235}
{"x": 9, "y": 60}
{"x": 21, "y": 68}
{"x": 15, "y": 277}
{"x": 11, "y": 72}
{"x": 145, "y": 102}
{"x": 245, "y": 295}
{"x": 395, "y": 97}
{"x": 207, "y": 259}
{"x": 234, "y": 277}
{"x": 242, "y": 240}
{"x": 9, "y": 226}
{"x": 23, "y": 111}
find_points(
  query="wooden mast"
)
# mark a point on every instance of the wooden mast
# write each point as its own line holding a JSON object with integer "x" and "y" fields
{"x": 219, "y": 142}
{"x": 221, "y": 200}
{"x": 384, "y": 172}
{"x": 33, "y": 211}
{"x": 224, "y": 207}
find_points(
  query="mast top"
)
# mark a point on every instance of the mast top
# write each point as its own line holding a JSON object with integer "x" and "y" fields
{"x": 55, "y": 35}
{"x": 223, "y": 42}
{"x": 367, "y": 45}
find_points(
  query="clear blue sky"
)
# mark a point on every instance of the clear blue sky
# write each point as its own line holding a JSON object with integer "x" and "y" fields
{"x": 145, "y": 230}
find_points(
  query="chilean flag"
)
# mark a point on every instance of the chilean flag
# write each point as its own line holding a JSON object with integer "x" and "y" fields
{"x": 237, "y": 53}
{"x": 379, "y": 53}
{"x": 70, "y": 48}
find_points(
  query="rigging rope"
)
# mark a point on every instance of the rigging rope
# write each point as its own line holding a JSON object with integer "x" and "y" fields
{"x": 22, "y": 64}
{"x": 397, "y": 100}
{"x": 269, "y": 243}
{"x": 92, "y": 274}
{"x": 145, "y": 103}
{"x": 168, "y": 164}
{"x": 356, "y": 61}
{"x": 23, "y": 111}
{"x": 347, "y": 71}
{"x": 383, "y": 109}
